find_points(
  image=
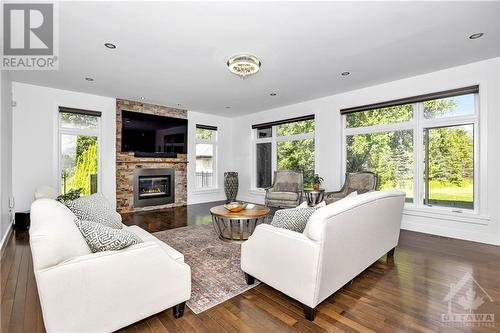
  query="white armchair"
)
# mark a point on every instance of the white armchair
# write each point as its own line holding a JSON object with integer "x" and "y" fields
{"x": 339, "y": 242}
{"x": 81, "y": 291}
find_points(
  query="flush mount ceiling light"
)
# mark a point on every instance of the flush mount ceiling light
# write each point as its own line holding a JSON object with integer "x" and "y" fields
{"x": 345, "y": 73}
{"x": 110, "y": 45}
{"x": 476, "y": 35}
{"x": 243, "y": 65}
{"x": 89, "y": 79}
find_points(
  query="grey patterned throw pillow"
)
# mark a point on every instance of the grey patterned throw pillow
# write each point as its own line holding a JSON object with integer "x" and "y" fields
{"x": 102, "y": 238}
{"x": 294, "y": 219}
{"x": 95, "y": 208}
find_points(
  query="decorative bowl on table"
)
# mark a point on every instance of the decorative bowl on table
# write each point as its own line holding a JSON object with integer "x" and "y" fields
{"x": 235, "y": 206}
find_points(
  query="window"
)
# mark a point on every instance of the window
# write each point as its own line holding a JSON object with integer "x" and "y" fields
{"x": 206, "y": 147}
{"x": 264, "y": 164}
{"x": 425, "y": 147}
{"x": 287, "y": 144}
{"x": 388, "y": 154}
{"x": 79, "y": 132}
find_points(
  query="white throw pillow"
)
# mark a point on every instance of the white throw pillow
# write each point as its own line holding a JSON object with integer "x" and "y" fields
{"x": 95, "y": 208}
{"x": 295, "y": 219}
{"x": 305, "y": 205}
{"x": 320, "y": 205}
{"x": 102, "y": 238}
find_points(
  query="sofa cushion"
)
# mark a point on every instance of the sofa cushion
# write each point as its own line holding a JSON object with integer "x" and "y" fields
{"x": 45, "y": 191}
{"x": 147, "y": 237}
{"x": 95, "y": 208}
{"x": 285, "y": 196}
{"x": 294, "y": 219}
{"x": 54, "y": 237}
{"x": 103, "y": 238}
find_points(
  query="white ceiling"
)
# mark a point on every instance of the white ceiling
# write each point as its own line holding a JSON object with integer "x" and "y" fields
{"x": 175, "y": 53}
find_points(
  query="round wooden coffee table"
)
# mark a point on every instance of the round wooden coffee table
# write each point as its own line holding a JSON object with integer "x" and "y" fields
{"x": 237, "y": 227}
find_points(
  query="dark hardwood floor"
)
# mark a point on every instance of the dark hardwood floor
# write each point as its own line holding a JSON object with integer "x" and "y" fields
{"x": 400, "y": 295}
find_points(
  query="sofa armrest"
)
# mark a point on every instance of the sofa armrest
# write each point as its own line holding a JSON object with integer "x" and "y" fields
{"x": 108, "y": 290}
{"x": 269, "y": 189}
{"x": 284, "y": 259}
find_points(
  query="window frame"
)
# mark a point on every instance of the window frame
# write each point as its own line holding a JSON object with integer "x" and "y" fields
{"x": 97, "y": 132}
{"x": 417, "y": 124}
{"x": 214, "y": 144}
{"x": 274, "y": 140}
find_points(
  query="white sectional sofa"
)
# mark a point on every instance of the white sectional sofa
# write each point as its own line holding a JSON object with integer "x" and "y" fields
{"x": 339, "y": 242}
{"x": 81, "y": 291}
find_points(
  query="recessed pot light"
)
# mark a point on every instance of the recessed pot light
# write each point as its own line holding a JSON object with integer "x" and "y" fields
{"x": 476, "y": 35}
{"x": 89, "y": 79}
{"x": 272, "y": 94}
{"x": 345, "y": 73}
{"x": 110, "y": 45}
{"x": 227, "y": 107}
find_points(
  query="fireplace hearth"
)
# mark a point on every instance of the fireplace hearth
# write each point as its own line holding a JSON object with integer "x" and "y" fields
{"x": 154, "y": 187}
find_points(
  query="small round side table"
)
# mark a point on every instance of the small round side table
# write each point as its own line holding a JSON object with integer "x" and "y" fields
{"x": 313, "y": 196}
{"x": 238, "y": 226}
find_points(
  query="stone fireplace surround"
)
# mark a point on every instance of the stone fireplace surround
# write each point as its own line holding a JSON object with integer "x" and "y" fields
{"x": 126, "y": 162}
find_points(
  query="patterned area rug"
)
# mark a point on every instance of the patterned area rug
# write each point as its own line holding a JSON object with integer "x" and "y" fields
{"x": 216, "y": 275}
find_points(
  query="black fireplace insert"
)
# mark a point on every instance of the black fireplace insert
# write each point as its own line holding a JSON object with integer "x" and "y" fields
{"x": 154, "y": 187}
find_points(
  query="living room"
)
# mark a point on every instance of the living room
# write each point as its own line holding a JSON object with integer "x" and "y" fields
{"x": 250, "y": 166}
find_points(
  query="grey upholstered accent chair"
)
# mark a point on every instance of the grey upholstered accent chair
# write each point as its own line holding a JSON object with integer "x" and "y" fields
{"x": 286, "y": 190}
{"x": 360, "y": 182}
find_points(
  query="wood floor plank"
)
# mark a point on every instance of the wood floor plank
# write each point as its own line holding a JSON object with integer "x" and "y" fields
{"x": 402, "y": 295}
{"x": 18, "y": 309}
{"x": 6, "y": 263}
{"x": 211, "y": 324}
{"x": 156, "y": 325}
{"x": 19, "y": 293}
{"x": 30, "y": 305}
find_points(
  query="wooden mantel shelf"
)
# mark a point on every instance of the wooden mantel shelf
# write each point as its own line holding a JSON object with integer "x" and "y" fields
{"x": 125, "y": 158}
{"x": 152, "y": 160}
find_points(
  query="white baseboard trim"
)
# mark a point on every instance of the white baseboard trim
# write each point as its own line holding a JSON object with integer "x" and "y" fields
{"x": 479, "y": 237}
{"x": 5, "y": 239}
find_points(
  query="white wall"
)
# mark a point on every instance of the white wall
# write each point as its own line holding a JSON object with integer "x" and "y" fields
{"x": 6, "y": 215}
{"x": 482, "y": 228}
{"x": 35, "y": 153}
{"x": 224, "y": 158}
{"x": 35, "y": 138}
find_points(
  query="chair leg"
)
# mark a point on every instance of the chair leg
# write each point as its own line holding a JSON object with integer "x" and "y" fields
{"x": 179, "y": 310}
{"x": 310, "y": 313}
{"x": 249, "y": 279}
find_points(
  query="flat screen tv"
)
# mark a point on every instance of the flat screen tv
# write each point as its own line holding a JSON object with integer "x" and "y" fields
{"x": 147, "y": 133}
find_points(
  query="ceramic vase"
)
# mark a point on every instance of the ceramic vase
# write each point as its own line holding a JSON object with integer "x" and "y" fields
{"x": 231, "y": 185}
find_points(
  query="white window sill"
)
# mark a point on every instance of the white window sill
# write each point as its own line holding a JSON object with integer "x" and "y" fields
{"x": 207, "y": 190}
{"x": 445, "y": 214}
